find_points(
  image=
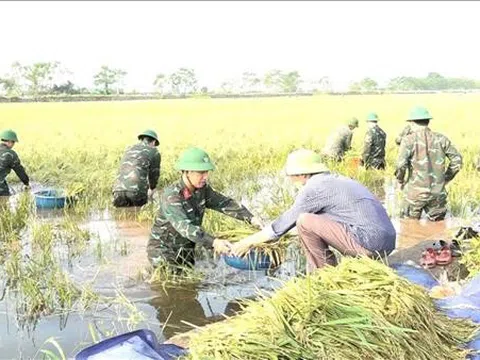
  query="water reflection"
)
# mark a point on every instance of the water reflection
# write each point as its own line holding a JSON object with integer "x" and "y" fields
{"x": 411, "y": 232}
{"x": 177, "y": 307}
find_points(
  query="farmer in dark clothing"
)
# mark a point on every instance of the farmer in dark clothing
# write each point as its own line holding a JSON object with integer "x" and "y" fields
{"x": 9, "y": 161}
{"x": 139, "y": 172}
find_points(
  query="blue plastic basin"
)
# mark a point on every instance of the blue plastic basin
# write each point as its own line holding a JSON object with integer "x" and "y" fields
{"x": 50, "y": 199}
{"x": 254, "y": 260}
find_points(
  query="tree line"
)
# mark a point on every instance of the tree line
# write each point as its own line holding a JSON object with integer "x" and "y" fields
{"x": 433, "y": 81}
{"x": 52, "y": 78}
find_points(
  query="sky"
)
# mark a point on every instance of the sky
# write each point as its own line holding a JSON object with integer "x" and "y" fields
{"x": 220, "y": 39}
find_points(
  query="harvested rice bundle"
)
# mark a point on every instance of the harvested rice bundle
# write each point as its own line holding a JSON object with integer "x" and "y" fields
{"x": 276, "y": 250}
{"x": 358, "y": 310}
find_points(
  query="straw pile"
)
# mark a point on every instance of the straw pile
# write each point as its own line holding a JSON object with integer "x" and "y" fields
{"x": 358, "y": 310}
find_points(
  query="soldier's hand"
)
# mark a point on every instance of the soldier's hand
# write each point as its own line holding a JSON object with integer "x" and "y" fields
{"x": 241, "y": 247}
{"x": 222, "y": 246}
{"x": 257, "y": 222}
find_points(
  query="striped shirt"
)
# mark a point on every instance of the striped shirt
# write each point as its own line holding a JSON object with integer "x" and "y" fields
{"x": 345, "y": 201}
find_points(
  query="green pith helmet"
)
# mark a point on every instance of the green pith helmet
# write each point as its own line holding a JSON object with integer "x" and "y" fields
{"x": 151, "y": 134}
{"x": 372, "y": 117}
{"x": 9, "y": 135}
{"x": 304, "y": 161}
{"x": 352, "y": 122}
{"x": 419, "y": 113}
{"x": 194, "y": 159}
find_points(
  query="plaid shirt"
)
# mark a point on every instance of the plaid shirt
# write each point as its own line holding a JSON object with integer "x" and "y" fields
{"x": 345, "y": 201}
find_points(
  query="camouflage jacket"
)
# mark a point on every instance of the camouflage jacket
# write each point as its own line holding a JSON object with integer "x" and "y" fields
{"x": 139, "y": 169}
{"x": 406, "y": 130}
{"x": 9, "y": 161}
{"x": 374, "y": 146}
{"x": 423, "y": 154}
{"x": 338, "y": 143}
{"x": 179, "y": 219}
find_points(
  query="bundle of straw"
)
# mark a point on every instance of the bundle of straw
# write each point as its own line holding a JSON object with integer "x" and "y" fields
{"x": 276, "y": 250}
{"x": 358, "y": 310}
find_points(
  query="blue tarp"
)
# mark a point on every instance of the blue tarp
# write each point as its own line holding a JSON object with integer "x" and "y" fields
{"x": 466, "y": 305}
{"x": 475, "y": 346}
{"x": 136, "y": 345}
{"x": 416, "y": 275}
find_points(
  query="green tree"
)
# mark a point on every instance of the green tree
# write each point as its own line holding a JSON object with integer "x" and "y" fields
{"x": 107, "y": 77}
{"x": 34, "y": 79}
{"x": 10, "y": 86}
{"x": 250, "y": 81}
{"x": 183, "y": 81}
{"x": 273, "y": 79}
{"x": 290, "y": 81}
{"x": 366, "y": 84}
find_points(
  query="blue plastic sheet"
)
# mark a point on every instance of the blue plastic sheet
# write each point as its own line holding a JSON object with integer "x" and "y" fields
{"x": 474, "y": 345}
{"x": 136, "y": 345}
{"x": 458, "y": 307}
{"x": 416, "y": 275}
{"x": 472, "y": 290}
{"x": 466, "y": 305}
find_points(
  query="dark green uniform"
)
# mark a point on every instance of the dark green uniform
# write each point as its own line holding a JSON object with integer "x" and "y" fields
{"x": 423, "y": 154}
{"x": 139, "y": 171}
{"x": 374, "y": 148}
{"x": 9, "y": 161}
{"x": 177, "y": 227}
{"x": 406, "y": 130}
{"x": 338, "y": 143}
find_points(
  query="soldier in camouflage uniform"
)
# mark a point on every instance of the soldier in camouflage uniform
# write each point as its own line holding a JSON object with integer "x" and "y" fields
{"x": 374, "y": 145}
{"x": 406, "y": 130}
{"x": 423, "y": 153}
{"x": 9, "y": 161}
{"x": 340, "y": 141}
{"x": 177, "y": 228}
{"x": 139, "y": 172}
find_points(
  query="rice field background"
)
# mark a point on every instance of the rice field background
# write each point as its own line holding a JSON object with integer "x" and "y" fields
{"x": 79, "y": 275}
{"x": 62, "y": 143}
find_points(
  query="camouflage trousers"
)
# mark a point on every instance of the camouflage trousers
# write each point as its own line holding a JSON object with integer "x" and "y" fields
{"x": 129, "y": 198}
{"x": 4, "y": 190}
{"x": 375, "y": 164}
{"x": 434, "y": 206}
{"x": 160, "y": 251}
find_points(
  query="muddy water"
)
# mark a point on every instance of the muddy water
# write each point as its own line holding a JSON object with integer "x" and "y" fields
{"x": 412, "y": 232}
{"x": 117, "y": 257}
{"x": 165, "y": 310}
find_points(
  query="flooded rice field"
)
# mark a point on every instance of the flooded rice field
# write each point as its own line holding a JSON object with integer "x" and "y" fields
{"x": 105, "y": 256}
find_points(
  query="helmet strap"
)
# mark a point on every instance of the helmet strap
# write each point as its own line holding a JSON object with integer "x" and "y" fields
{"x": 188, "y": 182}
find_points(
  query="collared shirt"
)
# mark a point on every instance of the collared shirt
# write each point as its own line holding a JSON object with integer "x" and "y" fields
{"x": 345, "y": 201}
